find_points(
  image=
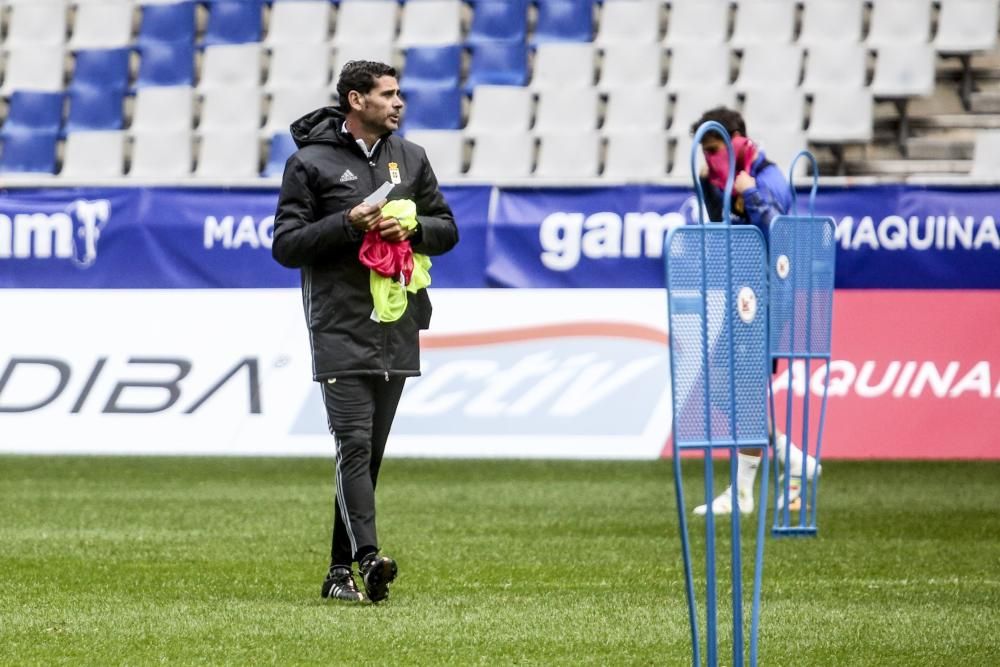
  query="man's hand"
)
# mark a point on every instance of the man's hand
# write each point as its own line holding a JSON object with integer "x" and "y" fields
{"x": 392, "y": 231}
{"x": 743, "y": 182}
{"x": 363, "y": 217}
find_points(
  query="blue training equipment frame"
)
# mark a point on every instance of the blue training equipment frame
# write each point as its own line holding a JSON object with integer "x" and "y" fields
{"x": 801, "y": 268}
{"x": 717, "y": 307}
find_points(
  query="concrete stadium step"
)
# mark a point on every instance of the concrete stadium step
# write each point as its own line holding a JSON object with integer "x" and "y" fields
{"x": 945, "y": 146}
{"x": 986, "y": 102}
{"x": 902, "y": 168}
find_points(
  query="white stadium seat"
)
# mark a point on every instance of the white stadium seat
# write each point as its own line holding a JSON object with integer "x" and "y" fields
{"x": 94, "y": 155}
{"x": 503, "y": 109}
{"x": 502, "y": 156}
{"x": 563, "y": 65}
{"x": 160, "y": 155}
{"x": 899, "y": 22}
{"x": 228, "y": 65}
{"x": 366, "y": 21}
{"x": 228, "y": 154}
{"x": 565, "y": 157}
{"x": 231, "y": 108}
{"x": 634, "y": 22}
{"x": 299, "y": 23}
{"x": 636, "y": 110}
{"x": 694, "y": 67}
{"x": 628, "y": 66}
{"x": 289, "y": 104}
{"x": 635, "y": 156}
{"x": 430, "y": 22}
{"x": 774, "y": 108}
{"x": 102, "y": 25}
{"x": 445, "y": 150}
{"x": 831, "y": 22}
{"x": 306, "y": 65}
{"x": 967, "y": 26}
{"x": 986, "y": 155}
{"x": 835, "y": 66}
{"x": 167, "y": 108}
{"x": 32, "y": 68}
{"x": 702, "y": 22}
{"x": 35, "y": 24}
{"x": 770, "y": 65}
{"x": 905, "y": 70}
{"x": 690, "y": 104}
{"x": 841, "y": 116}
{"x": 763, "y": 22}
{"x": 573, "y": 110}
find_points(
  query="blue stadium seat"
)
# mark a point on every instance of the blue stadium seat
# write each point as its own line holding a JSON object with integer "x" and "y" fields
{"x": 101, "y": 68}
{"x": 432, "y": 108}
{"x": 498, "y": 63}
{"x": 95, "y": 109}
{"x": 564, "y": 21}
{"x": 430, "y": 66}
{"x": 29, "y": 152}
{"x": 166, "y": 64}
{"x": 281, "y": 148}
{"x": 498, "y": 19}
{"x": 233, "y": 22}
{"x": 167, "y": 23}
{"x": 33, "y": 110}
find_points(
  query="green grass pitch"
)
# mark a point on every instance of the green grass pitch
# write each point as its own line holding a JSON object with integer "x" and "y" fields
{"x": 136, "y": 561}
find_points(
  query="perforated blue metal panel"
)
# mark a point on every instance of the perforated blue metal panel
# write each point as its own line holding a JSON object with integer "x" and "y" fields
{"x": 717, "y": 300}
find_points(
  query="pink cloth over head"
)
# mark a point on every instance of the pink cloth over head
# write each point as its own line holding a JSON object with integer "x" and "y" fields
{"x": 718, "y": 162}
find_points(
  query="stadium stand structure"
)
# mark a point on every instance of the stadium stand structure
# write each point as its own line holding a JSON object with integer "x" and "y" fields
{"x": 501, "y": 89}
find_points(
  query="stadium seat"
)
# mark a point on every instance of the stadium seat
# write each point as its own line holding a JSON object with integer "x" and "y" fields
{"x": 904, "y": 70}
{"x": 290, "y": 104}
{"x": 899, "y": 22}
{"x": 499, "y": 20}
{"x": 29, "y": 152}
{"x": 680, "y": 158}
{"x": 31, "y": 68}
{"x": 233, "y": 22}
{"x": 228, "y": 154}
{"x": 166, "y": 64}
{"x": 564, "y": 21}
{"x": 841, "y": 117}
{"x": 966, "y": 26}
{"x": 173, "y": 22}
{"x": 782, "y": 108}
{"x": 572, "y": 110}
{"x": 563, "y": 65}
{"x": 636, "y": 110}
{"x": 499, "y": 157}
{"x": 36, "y": 24}
{"x": 161, "y": 155}
{"x": 633, "y": 23}
{"x": 834, "y": 66}
{"x": 626, "y": 66}
{"x": 300, "y": 22}
{"x": 230, "y": 108}
{"x": 95, "y": 109}
{"x": 498, "y": 63}
{"x": 97, "y": 154}
{"x": 499, "y": 109}
{"x": 701, "y": 22}
{"x": 432, "y": 108}
{"x": 433, "y": 67}
{"x": 691, "y": 103}
{"x": 344, "y": 53}
{"x": 225, "y": 65}
{"x": 780, "y": 146}
{"x": 831, "y": 22}
{"x": 763, "y": 22}
{"x": 635, "y": 156}
{"x": 102, "y": 25}
{"x": 33, "y": 111}
{"x": 986, "y": 155}
{"x": 430, "y": 23}
{"x": 167, "y": 108}
{"x": 445, "y": 150}
{"x": 106, "y": 69}
{"x": 281, "y": 147}
{"x": 366, "y": 21}
{"x": 694, "y": 67}
{"x": 306, "y": 65}
{"x": 565, "y": 157}
{"x": 770, "y": 65}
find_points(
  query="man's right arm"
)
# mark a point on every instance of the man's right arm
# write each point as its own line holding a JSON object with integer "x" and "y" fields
{"x": 300, "y": 238}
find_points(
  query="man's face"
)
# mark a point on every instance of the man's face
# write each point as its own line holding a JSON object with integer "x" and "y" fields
{"x": 712, "y": 144}
{"x": 379, "y": 109}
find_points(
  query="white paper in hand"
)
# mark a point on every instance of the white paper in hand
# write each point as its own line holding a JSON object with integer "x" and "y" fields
{"x": 378, "y": 195}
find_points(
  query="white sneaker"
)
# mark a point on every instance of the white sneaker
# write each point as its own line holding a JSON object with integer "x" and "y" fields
{"x": 723, "y": 503}
{"x": 794, "y": 463}
{"x": 794, "y": 492}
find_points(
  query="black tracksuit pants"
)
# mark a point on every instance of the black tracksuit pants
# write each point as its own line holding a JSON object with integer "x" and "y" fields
{"x": 360, "y": 410}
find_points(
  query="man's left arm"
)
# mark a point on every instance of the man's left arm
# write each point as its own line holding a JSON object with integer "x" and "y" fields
{"x": 436, "y": 230}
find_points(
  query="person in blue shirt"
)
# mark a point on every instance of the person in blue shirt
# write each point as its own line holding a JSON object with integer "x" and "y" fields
{"x": 760, "y": 192}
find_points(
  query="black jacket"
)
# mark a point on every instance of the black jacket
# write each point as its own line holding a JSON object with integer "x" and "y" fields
{"x": 323, "y": 180}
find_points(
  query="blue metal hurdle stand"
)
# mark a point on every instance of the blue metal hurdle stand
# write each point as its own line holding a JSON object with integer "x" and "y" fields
{"x": 719, "y": 367}
{"x": 801, "y": 266}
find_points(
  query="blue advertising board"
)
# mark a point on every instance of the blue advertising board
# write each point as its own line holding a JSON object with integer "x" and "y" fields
{"x": 888, "y": 236}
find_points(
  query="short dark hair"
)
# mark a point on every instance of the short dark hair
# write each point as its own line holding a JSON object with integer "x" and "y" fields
{"x": 727, "y": 118}
{"x": 360, "y": 75}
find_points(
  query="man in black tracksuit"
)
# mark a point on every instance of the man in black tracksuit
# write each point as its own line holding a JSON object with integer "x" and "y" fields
{"x": 344, "y": 155}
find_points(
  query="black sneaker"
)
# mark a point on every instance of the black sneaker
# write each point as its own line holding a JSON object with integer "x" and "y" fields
{"x": 378, "y": 572}
{"x": 339, "y": 585}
